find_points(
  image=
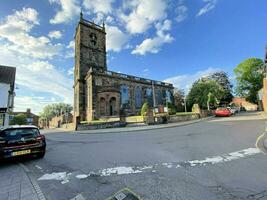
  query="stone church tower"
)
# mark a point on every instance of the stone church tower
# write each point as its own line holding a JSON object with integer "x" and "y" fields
{"x": 101, "y": 93}
{"x": 90, "y": 53}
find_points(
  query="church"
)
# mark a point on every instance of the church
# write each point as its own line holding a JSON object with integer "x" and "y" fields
{"x": 102, "y": 93}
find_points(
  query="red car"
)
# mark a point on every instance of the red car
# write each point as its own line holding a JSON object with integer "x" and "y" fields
{"x": 223, "y": 112}
{"x": 21, "y": 140}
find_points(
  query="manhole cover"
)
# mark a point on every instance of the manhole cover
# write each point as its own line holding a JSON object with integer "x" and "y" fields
{"x": 124, "y": 194}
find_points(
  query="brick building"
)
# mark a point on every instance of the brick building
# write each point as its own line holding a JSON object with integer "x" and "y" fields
{"x": 31, "y": 118}
{"x": 99, "y": 92}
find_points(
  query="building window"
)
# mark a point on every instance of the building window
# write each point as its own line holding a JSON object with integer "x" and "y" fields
{"x": 125, "y": 101}
{"x": 159, "y": 97}
{"x": 149, "y": 97}
{"x": 138, "y": 97}
{"x": 168, "y": 96}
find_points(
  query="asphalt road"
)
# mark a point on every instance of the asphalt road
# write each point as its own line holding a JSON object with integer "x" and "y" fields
{"x": 214, "y": 159}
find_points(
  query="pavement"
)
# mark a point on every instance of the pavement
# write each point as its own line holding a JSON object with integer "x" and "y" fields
{"x": 17, "y": 184}
{"x": 214, "y": 159}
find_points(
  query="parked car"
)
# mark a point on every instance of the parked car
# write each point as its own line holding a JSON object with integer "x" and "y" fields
{"x": 232, "y": 110}
{"x": 222, "y": 112}
{"x": 17, "y": 141}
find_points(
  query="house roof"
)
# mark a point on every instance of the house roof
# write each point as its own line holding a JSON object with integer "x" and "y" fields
{"x": 25, "y": 113}
{"x": 7, "y": 75}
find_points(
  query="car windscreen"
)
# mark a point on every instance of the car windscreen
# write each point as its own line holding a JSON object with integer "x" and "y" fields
{"x": 17, "y": 134}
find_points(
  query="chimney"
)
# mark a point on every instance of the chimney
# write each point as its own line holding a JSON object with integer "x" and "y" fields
{"x": 28, "y": 111}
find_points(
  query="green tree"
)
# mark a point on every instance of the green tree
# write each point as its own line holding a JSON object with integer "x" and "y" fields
{"x": 144, "y": 109}
{"x": 19, "y": 119}
{"x": 249, "y": 76}
{"x": 178, "y": 97}
{"x": 56, "y": 109}
{"x": 204, "y": 91}
{"x": 221, "y": 77}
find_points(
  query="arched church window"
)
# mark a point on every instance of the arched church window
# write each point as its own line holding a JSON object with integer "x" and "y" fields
{"x": 149, "y": 97}
{"x": 159, "y": 97}
{"x": 125, "y": 96}
{"x": 168, "y": 96}
{"x": 138, "y": 97}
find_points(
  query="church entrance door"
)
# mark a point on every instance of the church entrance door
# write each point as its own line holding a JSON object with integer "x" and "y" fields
{"x": 112, "y": 106}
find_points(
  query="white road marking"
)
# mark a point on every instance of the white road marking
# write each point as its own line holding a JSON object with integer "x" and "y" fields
{"x": 38, "y": 167}
{"x": 122, "y": 170}
{"x": 260, "y": 143}
{"x": 59, "y": 176}
{"x": 210, "y": 160}
{"x": 81, "y": 176}
{"x": 119, "y": 170}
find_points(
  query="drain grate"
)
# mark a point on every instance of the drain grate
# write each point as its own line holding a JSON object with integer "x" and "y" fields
{"x": 124, "y": 194}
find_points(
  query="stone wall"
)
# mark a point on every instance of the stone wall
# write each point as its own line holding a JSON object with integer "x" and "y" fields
{"x": 264, "y": 96}
{"x": 180, "y": 118}
{"x": 82, "y": 127}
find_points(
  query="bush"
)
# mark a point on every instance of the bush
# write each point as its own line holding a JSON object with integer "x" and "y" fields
{"x": 171, "y": 108}
{"x": 19, "y": 119}
{"x": 144, "y": 109}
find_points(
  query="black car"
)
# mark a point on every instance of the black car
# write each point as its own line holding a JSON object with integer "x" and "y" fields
{"x": 21, "y": 140}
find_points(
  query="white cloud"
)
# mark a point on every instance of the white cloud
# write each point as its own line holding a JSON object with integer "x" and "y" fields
{"x": 36, "y": 103}
{"x": 143, "y": 14}
{"x": 20, "y": 24}
{"x": 210, "y": 5}
{"x": 185, "y": 81}
{"x": 55, "y": 34}
{"x": 70, "y": 50}
{"x": 116, "y": 39}
{"x": 37, "y": 76}
{"x": 99, "y": 18}
{"x": 41, "y": 76}
{"x": 27, "y": 53}
{"x": 71, "y": 45}
{"x": 69, "y": 9}
{"x": 103, "y": 6}
{"x": 71, "y": 71}
{"x": 153, "y": 45}
{"x": 181, "y": 12}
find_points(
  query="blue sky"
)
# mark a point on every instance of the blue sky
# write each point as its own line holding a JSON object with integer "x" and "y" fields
{"x": 173, "y": 40}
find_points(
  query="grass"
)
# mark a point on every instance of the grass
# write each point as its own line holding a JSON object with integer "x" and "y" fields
{"x": 137, "y": 118}
{"x": 101, "y": 121}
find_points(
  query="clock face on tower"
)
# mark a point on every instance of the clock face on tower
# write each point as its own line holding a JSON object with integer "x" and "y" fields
{"x": 93, "y": 39}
